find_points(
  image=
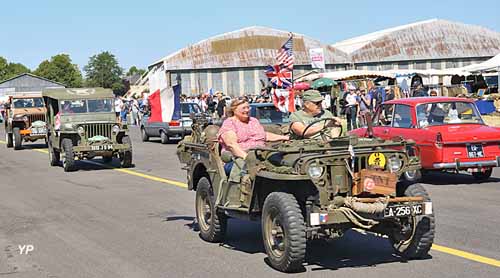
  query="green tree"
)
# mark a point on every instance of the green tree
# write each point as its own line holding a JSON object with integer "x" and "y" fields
{"x": 134, "y": 70}
{"x": 9, "y": 70}
{"x": 104, "y": 71}
{"x": 60, "y": 69}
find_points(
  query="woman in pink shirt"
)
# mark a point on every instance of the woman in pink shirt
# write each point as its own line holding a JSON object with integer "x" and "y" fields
{"x": 240, "y": 132}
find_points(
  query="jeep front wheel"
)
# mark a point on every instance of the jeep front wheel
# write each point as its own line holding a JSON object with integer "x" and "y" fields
{"x": 212, "y": 223}
{"x": 8, "y": 139}
{"x": 415, "y": 234}
{"x": 283, "y": 232}
{"x": 69, "y": 155}
{"x": 18, "y": 140}
{"x": 144, "y": 135}
{"x": 54, "y": 155}
{"x": 126, "y": 156}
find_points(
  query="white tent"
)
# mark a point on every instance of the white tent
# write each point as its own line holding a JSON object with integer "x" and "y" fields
{"x": 492, "y": 64}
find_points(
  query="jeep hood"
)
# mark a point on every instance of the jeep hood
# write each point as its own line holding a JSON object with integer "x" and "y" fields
{"x": 88, "y": 118}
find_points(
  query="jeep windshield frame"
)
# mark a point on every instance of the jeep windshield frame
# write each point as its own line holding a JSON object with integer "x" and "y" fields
{"x": 35, "y": 102}
{"x": 85, "y": 106}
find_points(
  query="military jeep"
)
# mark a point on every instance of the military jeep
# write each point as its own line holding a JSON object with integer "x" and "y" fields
{"x": 25, "y": 120}
{"x": 82, "y": 125}
{"x": 310, "y": 189}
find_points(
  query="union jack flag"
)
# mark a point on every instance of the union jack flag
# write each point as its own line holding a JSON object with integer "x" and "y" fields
{"x": 285, "y": 55}
{"x": 280, "y": 77}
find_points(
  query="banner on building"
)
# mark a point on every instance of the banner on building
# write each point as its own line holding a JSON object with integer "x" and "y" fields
{"x": 317, "y": 58}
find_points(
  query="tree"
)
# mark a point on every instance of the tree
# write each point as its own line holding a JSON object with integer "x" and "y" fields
{"x": 104, "y": 71}
{"x": 60, "y": 69}
{"x": 9, "y": 70}
{"x": 133, "y": 70}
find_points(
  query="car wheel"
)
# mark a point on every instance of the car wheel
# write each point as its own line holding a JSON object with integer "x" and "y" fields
{"x": 413, "y": 175}
{"x": 414, "y": 235}
{"x": 8, "y": 139}
{"x": 144, "y": 135}
{"x": 482, "y": 176}
{"x": 54, "y": 156}
{"x": 69, "y": 155}
{"x": 126, "y": 156}
{"x": 18, "y": 140}
{"x": 164, "y": 137}
{"x": 212, "y": 223}
{"x": 283, "y": 232}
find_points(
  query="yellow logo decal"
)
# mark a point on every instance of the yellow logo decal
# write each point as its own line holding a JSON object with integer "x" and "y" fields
{"x": 377, "y": 160}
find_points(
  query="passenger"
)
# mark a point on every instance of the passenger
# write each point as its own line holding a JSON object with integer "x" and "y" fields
{"x": 311, "y": 112}
{"x": 239, "y": 133}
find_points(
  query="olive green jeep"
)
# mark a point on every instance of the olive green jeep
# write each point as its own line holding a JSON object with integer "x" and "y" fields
{"x": 310, "y": 189}
{"x": 25, "y": 120}
{"x": 82, "y": 125}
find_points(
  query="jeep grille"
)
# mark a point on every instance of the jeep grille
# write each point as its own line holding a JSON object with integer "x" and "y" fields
{"x": 92, "y": 130}
{"x": 35, "y": 117}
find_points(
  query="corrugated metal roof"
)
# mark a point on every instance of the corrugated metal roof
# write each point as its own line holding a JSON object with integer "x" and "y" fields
{"x": 249, "y": 47}
{"x": 431, "y": 39}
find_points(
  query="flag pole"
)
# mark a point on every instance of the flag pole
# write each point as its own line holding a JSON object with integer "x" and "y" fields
{"x": 291, "y": 37}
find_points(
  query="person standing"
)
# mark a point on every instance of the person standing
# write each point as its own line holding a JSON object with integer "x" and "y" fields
{"x": 364, "y": 101}
{"x": 351, "y": 109}
{"x": 124, "y": 111}
{"x": 118, "y": 108}
{"x": 221, "y": 106}
{"x": 135, "y": 111}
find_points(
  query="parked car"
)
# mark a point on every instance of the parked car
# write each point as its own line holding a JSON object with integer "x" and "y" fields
{"x": 270, "y": 117}
{"x": 173, "y": 130}
{"x": 449, "y": 132}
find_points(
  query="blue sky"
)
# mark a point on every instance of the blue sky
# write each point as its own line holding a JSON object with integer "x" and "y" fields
{"x": 141, "y": 32}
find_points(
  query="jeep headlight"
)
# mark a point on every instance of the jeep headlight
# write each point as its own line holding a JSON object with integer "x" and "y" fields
{"x": 315, "y": 171}
{"x": 81, "y": 131}
{"x": 68, "y": 126}
{"x": 116, "y": 129}
{"x": 394, "y": 164}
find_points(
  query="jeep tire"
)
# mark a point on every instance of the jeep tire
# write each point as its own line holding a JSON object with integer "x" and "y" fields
{"x": 54, "y": 155}
{"x": 144, "y": 135}
{"x": 164, "y": 137}
{"x": 284, "y": 232}
{"x": 212, "y": 223}
{"x": 482, "y": 176}
{"x": 415, "y": 238}
{"x": 8, "y": 140}
{"x": 126, "y": 156}
{"x": 69, "y": 155}
{"x": 18, "y": 140}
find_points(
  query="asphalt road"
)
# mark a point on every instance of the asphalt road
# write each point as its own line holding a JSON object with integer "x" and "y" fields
{"x": 102, "y": 222}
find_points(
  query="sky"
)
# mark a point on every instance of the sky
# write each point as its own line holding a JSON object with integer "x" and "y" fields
{"x": 142, "y": 32}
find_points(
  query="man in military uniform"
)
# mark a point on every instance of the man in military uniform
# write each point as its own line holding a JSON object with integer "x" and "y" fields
{"x": 312, "y": 112}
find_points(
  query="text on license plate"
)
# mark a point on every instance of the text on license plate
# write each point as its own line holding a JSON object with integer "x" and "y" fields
{"x": 36, "y": 131}
{"x": 475, "y": 150}
{"x": 102, "y": 148}
{"x": 404, "y": 210}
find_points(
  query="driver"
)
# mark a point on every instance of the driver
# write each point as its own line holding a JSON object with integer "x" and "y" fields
{"x": 313, "y": 112}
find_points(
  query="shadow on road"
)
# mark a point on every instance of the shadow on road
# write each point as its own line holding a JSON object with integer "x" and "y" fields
{"x": 27, "y": 147}
{"x": 354, "y": 249}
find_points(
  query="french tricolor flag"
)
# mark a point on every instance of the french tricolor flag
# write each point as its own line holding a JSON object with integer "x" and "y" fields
{"x": 164, "y": 101}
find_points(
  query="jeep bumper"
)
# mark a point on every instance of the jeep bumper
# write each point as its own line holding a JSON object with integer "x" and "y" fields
{"x": 102, "y": 148}
{"x": 175, "y": 132}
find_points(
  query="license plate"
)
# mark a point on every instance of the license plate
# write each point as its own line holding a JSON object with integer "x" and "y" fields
{"x": 187, "y": 123}
{"x": 404, "y": 210}
{"x": 475, "y": 150}
{"x": 38, "y": 131}
{"x": 102, "y": 148}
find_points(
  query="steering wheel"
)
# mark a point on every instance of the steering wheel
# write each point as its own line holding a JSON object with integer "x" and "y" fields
{"x": 326, "y": 136}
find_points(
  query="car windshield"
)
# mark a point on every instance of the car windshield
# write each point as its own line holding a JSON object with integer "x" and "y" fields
{"x": 86, "y": 106}
{"x": 270, "y": 115}
{"x": 188, "y": 108}
{"x": 28, "y": 102}
{"x": 445, "y": 113}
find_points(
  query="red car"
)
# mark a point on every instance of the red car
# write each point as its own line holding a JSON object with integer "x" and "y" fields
{"x": 449, "y": 132}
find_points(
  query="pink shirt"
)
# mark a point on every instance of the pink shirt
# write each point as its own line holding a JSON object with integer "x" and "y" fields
{"x": 249, "y": 134}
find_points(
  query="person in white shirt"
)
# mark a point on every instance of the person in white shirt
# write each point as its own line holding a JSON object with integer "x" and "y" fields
{"x": 118, "y": 108}
{"x": 351, "y": 109}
